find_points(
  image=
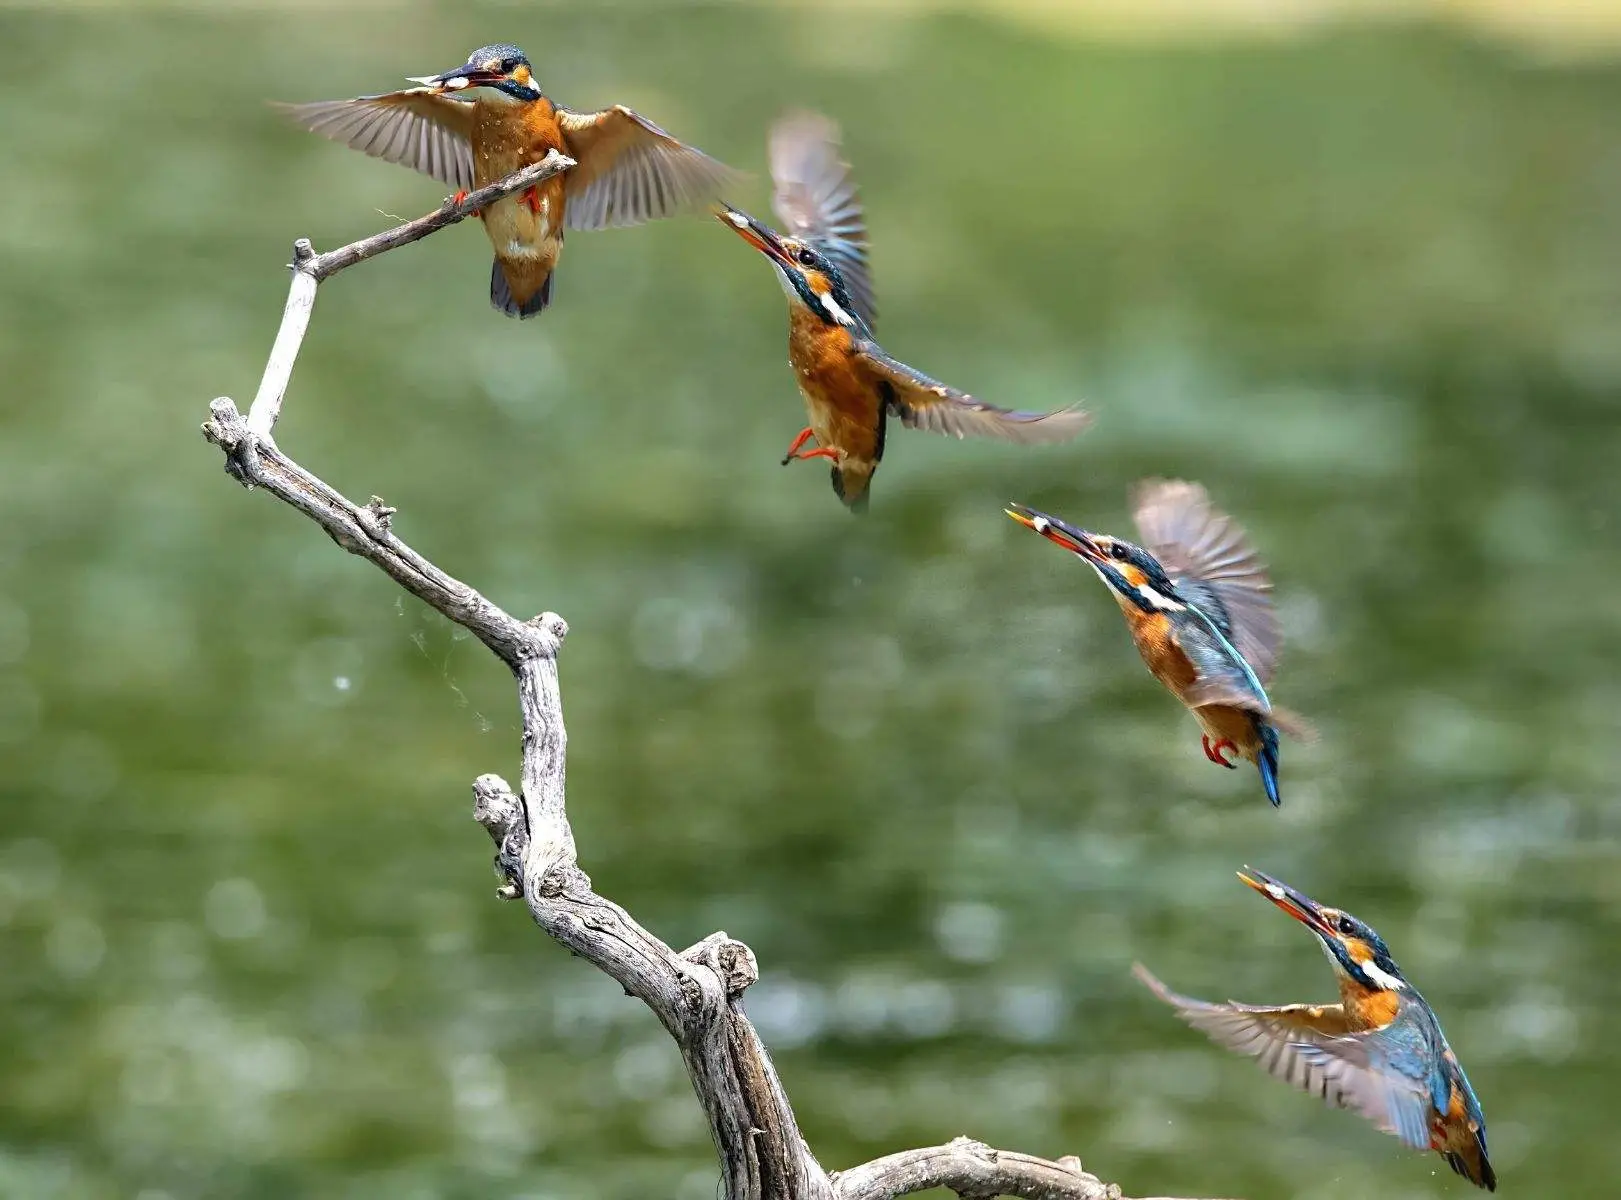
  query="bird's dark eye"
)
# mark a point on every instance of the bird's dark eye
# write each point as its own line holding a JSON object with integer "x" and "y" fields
{"x": 1117, "y": 551}
{"x": 804, "y": 257}
{"x": 508, "y": 65}
{"x": 1345, "y": 925}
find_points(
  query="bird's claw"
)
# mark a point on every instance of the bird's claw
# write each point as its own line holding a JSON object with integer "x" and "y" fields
{"x": 531, "y": 197}
{"x": 461, "y": 194}
{"x": 805, "y": 435}
{"x": 1213, "y": 751}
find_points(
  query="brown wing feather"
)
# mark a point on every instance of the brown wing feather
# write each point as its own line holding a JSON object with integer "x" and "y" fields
{"x": 1268, "y": 1034}
{"x": 631, "y": 171}
{"x": 1196, "y": 541}
{"x": 413, "y": 128}
{"x": 815, "y": 198}
{"x": 1309, "y": 1046}
{"x": 924, "y": 403}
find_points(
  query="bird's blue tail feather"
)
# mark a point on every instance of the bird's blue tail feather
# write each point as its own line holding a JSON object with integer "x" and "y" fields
{"x": 1267, "y": 762}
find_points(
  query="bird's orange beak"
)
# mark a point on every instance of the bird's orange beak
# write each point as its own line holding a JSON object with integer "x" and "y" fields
{"x": 1297, "y": 904}
{"x": 1059, "y": 533}
{"x": 762, "y": 237}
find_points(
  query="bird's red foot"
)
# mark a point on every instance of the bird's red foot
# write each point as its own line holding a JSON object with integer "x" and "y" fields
{"x": 531, "y": 197}
{"x": 1212, "y": 751}
{"x": 461, "y": 194}
{"x": 805, "y": 435}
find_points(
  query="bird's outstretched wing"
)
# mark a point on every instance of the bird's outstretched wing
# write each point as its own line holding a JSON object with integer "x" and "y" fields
{"x": 414, "y": 128}
{"x": 631, "y": 171}
{"x": 815, "y": 199}
{"x": 1393, "y": 1100}
{"x": 1213, "y": 565}
{"x": 1309, "y": 1046}
{"x": 924, "y": 403}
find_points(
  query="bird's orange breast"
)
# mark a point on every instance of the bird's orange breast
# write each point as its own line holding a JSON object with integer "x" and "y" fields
{"x": 1368, "y": 1009}
{"x": 525, "y": 231}
{"x": 840, "y": 398}
{"x": 507, "y": 136}
{"x": 1157, "y": 644}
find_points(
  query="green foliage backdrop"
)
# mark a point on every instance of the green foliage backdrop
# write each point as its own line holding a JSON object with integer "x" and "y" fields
{"x": 1366, "y": 286}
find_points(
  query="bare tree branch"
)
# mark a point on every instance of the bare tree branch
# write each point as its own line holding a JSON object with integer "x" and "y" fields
{"x": 696, "y": 994}
{"x": 975, "y": 1172}
{"x": 310, "y": 268}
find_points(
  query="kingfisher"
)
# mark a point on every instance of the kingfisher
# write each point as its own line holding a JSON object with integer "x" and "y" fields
{"x": 1379, "y": 1051}
{"x": 850, "y": 385}
{"x": 1199, "y": 606}
{"x": 627, "y": 170}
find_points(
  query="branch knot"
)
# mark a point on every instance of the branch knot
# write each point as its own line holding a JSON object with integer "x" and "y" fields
{"x": 382, "y": 513}
{"x": 500, "y": 811}
{"x": 552, "y": 628}
{"x": 732, "y": 962}
{"x": 228, "y": 430}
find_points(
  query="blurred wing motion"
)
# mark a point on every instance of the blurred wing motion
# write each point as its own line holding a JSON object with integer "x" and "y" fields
{"x": 924, "y": 403}
{"x": 413, "y": 128}
{"x": 816, "y": 200}
{"x": 631, "y": 171}
{"x": 1213, "y": 566}
{"x": 1308, "y": 1045}
{"x": 1221, "y": 675}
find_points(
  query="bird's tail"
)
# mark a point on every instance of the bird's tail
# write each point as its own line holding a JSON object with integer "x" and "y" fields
{"x": 850, "y": 484}
{"x": 1471, "y": 1162}
{"x": 502, "y": 300}
{"x": 1267, "y": 761}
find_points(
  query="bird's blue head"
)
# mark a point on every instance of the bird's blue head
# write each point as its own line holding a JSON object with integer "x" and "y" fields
{"x": 501, "y": 66}
{"x": 808, "y": 276}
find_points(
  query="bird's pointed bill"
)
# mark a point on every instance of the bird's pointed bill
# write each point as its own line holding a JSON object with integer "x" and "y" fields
{"x": 1059, "y": 533}
{"x": 762, "y": 237}
{"x": 465, "y": 76}
{"x": 1297, "y": 904}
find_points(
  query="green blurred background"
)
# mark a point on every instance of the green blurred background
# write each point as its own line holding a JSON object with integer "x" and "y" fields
{"x": 1363, "y": 281}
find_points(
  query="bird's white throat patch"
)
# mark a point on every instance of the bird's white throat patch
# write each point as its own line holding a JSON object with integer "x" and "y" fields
{"x": 834, "y": 310}
{"x": 1376, "y": 974}
{"x": 1158, "y": 599}
{"x": 1380, "y": 976}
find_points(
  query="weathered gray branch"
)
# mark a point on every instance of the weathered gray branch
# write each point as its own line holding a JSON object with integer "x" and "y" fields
{"x": 975, "y": 1172}
{"x": 697, "y": 993}
{"x": 310, "y": 268}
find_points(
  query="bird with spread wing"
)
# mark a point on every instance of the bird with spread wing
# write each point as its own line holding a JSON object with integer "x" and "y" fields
{"x": 628, "y": 169}
{"x": 850, "y": 385}
{"x": 1379, "y": 1051}
{"x": 1199, "y": 606}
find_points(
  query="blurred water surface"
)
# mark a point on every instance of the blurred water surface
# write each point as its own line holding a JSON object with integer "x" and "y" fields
{"x": 1366, "y": 286}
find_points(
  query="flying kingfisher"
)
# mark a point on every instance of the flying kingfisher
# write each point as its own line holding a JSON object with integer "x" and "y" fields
{"x": 851, "y": 386}
{"x": 1198, "y": 603}
{"x": 1379, "y": 1051}
{"x": 629, "y": 170}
